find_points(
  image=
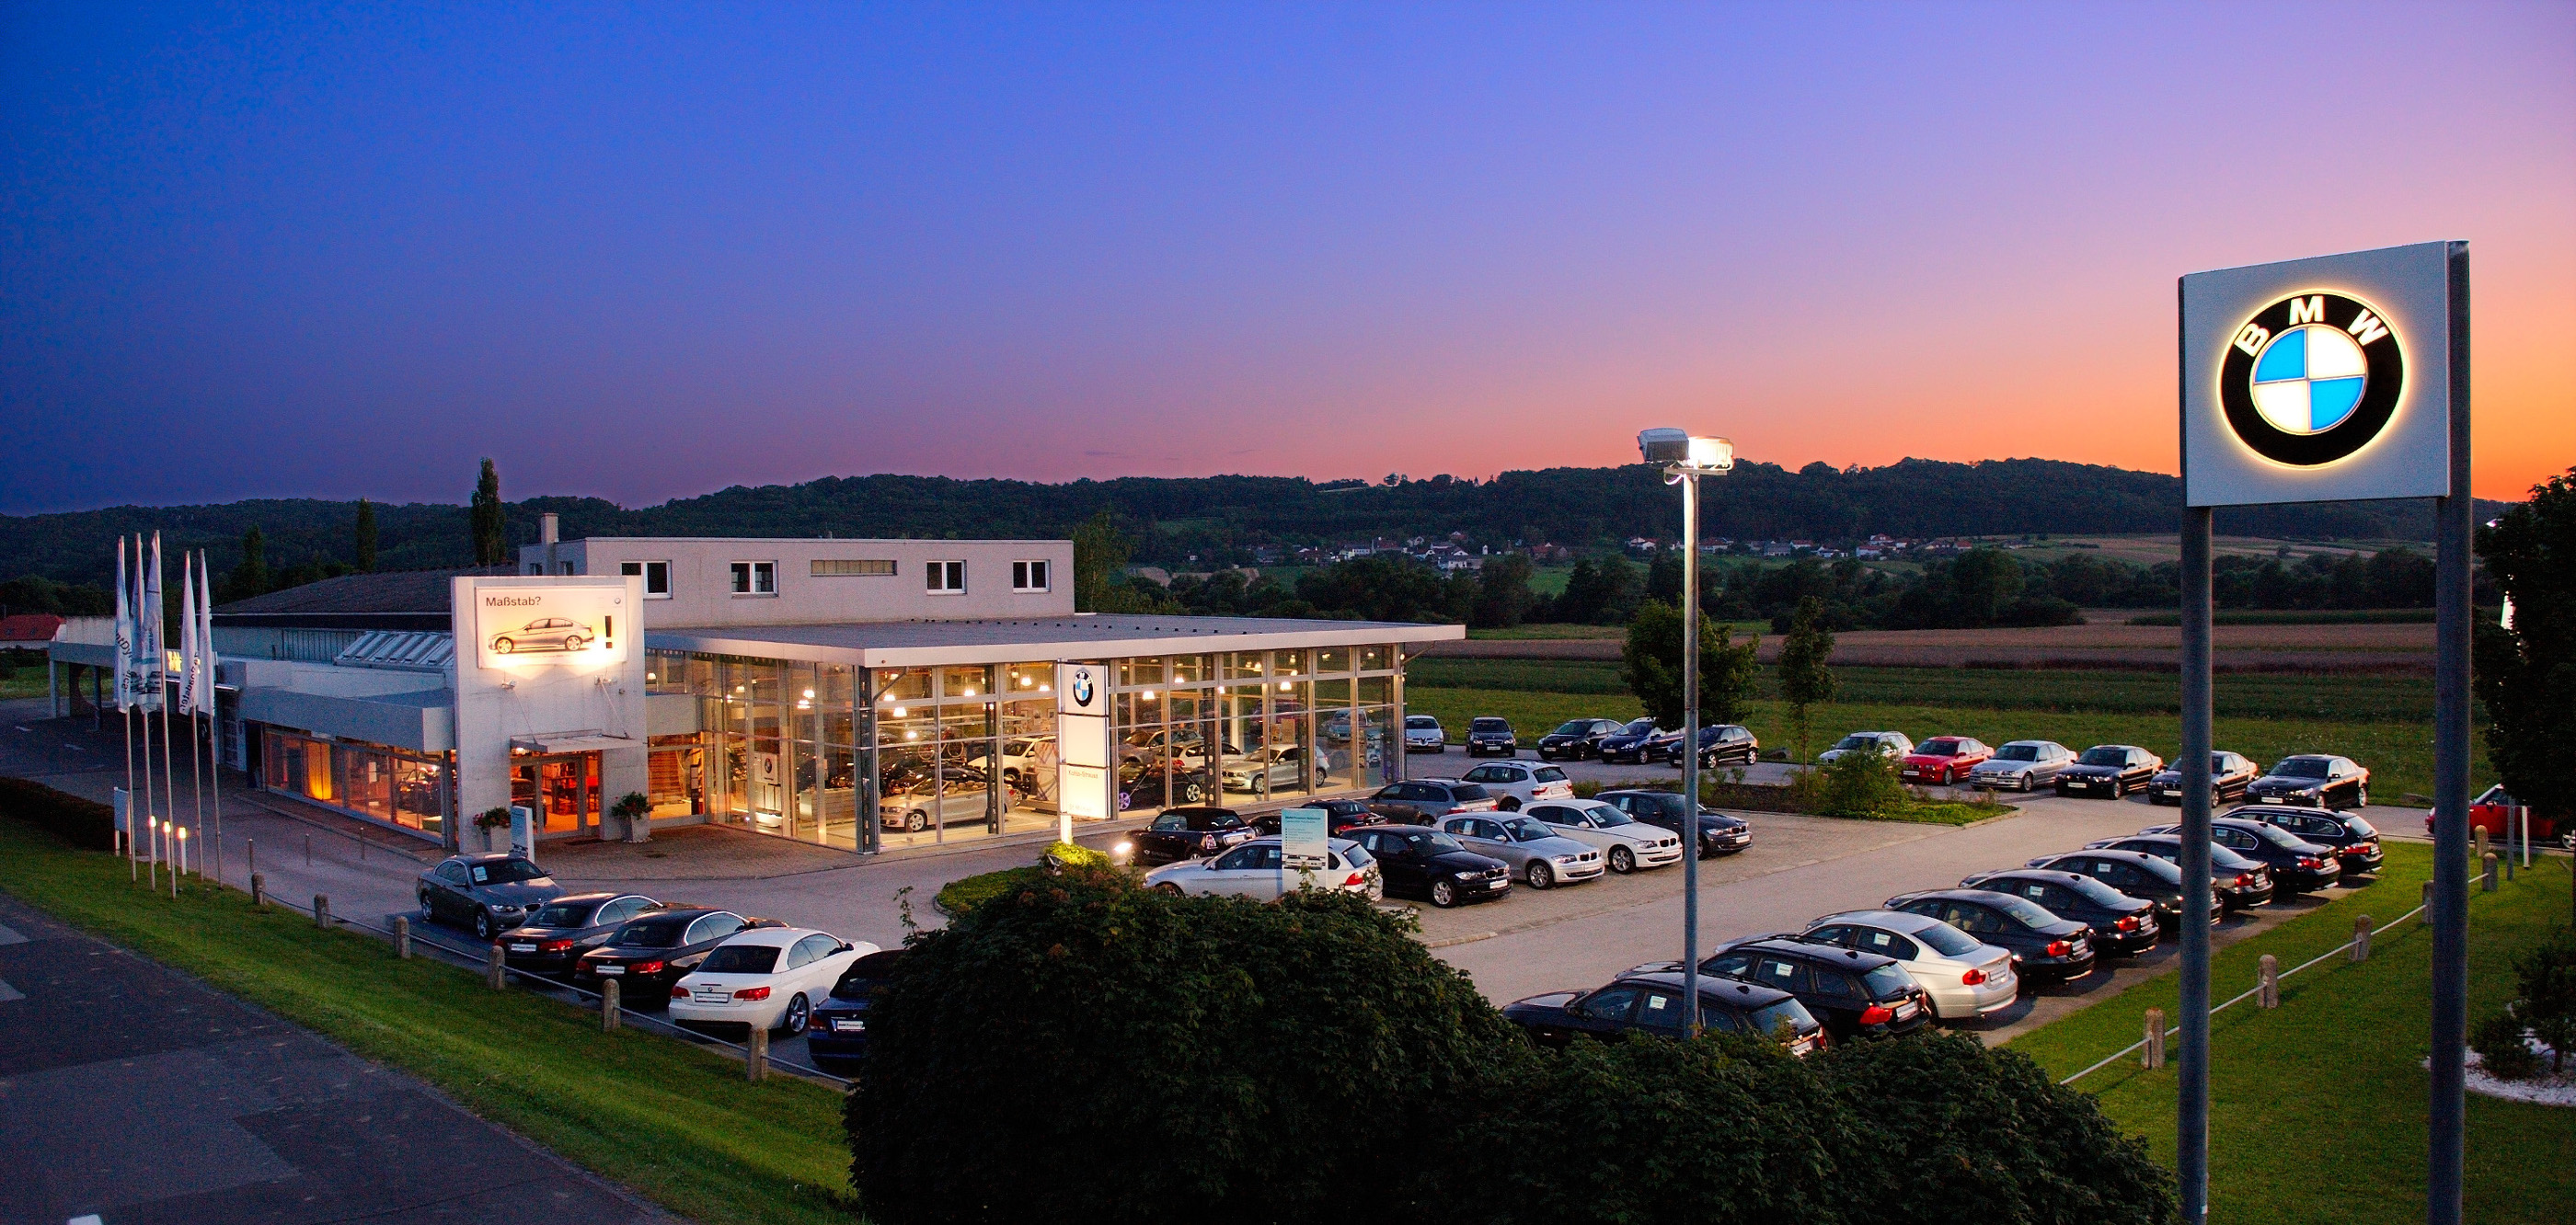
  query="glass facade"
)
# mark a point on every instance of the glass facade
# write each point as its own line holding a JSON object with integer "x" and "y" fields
{"x": 379, "y": 782}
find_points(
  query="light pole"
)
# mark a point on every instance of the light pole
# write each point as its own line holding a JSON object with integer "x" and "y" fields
{"x": 1685, "y": 460}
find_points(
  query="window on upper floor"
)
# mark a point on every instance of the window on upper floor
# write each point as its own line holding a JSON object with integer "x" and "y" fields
{"x": 755, "y": 578}
{"x": 1028, "y": 576}
{"x": 947, "y": 577}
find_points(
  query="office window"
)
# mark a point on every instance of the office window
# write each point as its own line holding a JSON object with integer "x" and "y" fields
{"x": 852, "y": 567}
{"x": 755, "y": 578}
{"x": 947, "y": 578}
{"x": 657, "y": 577}
{"x": 1028, "y": 576}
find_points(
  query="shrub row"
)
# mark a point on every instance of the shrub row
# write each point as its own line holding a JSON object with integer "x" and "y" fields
{"x": 86, "y": 824}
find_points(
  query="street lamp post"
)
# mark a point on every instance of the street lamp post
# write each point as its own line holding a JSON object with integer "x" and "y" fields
{"x": 1686, "y": 459}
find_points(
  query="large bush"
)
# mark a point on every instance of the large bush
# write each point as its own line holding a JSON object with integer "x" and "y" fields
{"x": 1084, "y": 1050}
{"x": 1861, "y": 784}
{"x": 86, "y": 824}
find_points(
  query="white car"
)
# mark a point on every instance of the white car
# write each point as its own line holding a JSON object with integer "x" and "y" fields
{"x": 1886, "y": 744}
{"x": 1423, "y": 734}
{"x": 1626, "y": 842}
{"x": 1263, "y": 770}
{"x": 1020, "y": 755}
{"x": 1963, "y": 977}
{"x": 767, "y": 977}
{"x": 1254, "y": 870}
{"x": 2023, "y": 765}
{"x": 1520, "y": 783}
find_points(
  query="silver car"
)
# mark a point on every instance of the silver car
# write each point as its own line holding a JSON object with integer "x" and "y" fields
{"x": 1625, "y": 842}
{"x": 1885, "y": 744}
{"x": 1537, "y": 852}
{"x": 1520, "y": 783}
{"x": 1255, "y": 870}
{"x": 2023, "y": 765}
{"x": 1963, "y": 977}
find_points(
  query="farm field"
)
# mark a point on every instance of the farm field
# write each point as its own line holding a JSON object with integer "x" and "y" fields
{"x": 2099, "y": 644}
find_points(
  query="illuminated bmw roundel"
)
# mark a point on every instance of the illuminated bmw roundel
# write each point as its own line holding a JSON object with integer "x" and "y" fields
{"x": 2312, "y": 378}
{"x": 1082, "y": 690}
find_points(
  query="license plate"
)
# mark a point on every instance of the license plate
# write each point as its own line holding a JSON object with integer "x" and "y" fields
{"x": 844, "y": 1026}
{"x": 2271, "y": 799}
{"x": 523, "y": 948}
{"x": 1905, "y": 1010}
{"x": 612, "y": 971}
{"x": 709, "y": 997}
{"x": 1498, "y": 884}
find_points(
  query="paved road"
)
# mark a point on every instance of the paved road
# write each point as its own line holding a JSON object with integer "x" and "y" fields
{"x": 135, "y": 1094}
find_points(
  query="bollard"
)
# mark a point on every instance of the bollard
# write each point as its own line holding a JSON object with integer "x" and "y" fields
{"x": 258, "y": 891}
{"x": 250, "y": 848}
{"x": 308, "y": 850}
{"x": 496, "y": 970}
{"x": 2487, "y": 883}
{"x": 321, "y": 911}
{"x": 610, "y": 1020}
{"x": 2361, "y": 938}
{"x": 2268, "y": 983}
{"x": 755, "y": 1054}
{"x": 2155, "y": 1052}
{"x": 2477, "y": 845}
{"x": 2428, "y": 896}
{"x": 402, "y": 937}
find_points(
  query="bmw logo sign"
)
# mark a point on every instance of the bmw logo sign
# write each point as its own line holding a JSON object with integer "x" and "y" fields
{"x": 2312, "y": 378}
{"x": 1082, "y": 686}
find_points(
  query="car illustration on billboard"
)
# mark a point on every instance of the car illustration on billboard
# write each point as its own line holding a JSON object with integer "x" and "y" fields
{"x": 544, "y": 634}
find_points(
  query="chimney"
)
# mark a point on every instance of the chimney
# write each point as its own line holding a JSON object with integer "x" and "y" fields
{"x": 549, "y": 528}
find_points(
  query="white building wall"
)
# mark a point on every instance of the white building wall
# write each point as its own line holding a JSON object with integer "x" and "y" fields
{"x": 702, "y": 580}
{"x": 542, "y": 699}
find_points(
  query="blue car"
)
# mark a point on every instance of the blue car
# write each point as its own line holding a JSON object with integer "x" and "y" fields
{"x": 836, "y": 1034}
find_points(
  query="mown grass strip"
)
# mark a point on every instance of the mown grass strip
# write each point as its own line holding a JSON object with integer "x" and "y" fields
{"x": 674, "y": 1123}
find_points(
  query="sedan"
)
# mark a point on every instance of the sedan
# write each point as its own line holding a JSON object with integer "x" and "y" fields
{"x": 1719, "y": 833}
{"x": 1277, "y": 767}
{"x": 2138, "y": 875}
{"x": 1630, "y": 744}
{"x": 2300, "y": 866}
{"x": 1962, "y": 976}
{"x": 2240, "y": 883}
{"x": 957, "y": 797}
{"x": 1423, "y": 734}
{"x": 1628, "y": 843}
{"x": 1258, "y": 870}
{"x": 1423, "y": 862}
{"x": 2023, "y": 765}
{"x": 1884, "y": 744}
{"x": 1186, "y": 833}
{"x": 2045, "y": 947}
{"x": 1424, "y": 800}
{"x": 2354, "y": 839}
{"x": 1536, "y": 852}
{"x": 2313, "y": 780}
{"x": 544, "y": 634}
{"x": 1943, "y": 760}
{"x": 765, "y": 978}
{"x": 837, "y": 1034}
{"x": 1652, "y": 1004}
{"x": 1521, "y": 782}
{"x": 1576, "y": 739}
{"x": 655, "y": 949}
{"x": 1491, "y": 736}
{"x": 2229, "y": 774}
{"x": 2120, "y": 923}
{"x": 1718, "y": 745}
{"x": 1855, "y": 994}
{"x": 1340, "y": 816}
{"x": 567, "y": 927}
{"x": 487, "y": 892}
{"x": 2109, "y": 770}
{"x": 1141, "y": 785}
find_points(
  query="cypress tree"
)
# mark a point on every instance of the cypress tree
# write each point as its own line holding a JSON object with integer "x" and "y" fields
{"x": 363, "y": 535}
{"x": 490, "y": 540}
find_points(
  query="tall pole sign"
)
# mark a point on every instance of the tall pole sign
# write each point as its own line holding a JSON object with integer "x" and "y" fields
{"x": 2329, "y": 380}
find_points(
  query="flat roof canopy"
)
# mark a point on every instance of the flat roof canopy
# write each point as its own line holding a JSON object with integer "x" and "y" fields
{"x": 914, "y": 644}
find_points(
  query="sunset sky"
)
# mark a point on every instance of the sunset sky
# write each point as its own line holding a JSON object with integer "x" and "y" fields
{"x": 651, "y": 251}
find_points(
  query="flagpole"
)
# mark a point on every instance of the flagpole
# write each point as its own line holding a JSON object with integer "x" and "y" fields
{"x": 161, "y": 695}
{"x": 142, "y": 641}
{"x": 125, "y": 702}
{"x": 189, "y": 646}
{"x": 206, "y": 694}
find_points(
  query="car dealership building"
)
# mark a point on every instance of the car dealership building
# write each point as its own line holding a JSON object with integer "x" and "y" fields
{"x": 864, "y": 694}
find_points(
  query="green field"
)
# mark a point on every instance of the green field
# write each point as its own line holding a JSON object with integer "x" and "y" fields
{"x": 2317, "y": 1108}
{"x": 675, "y": 1123}
{"x": 22, "y": 682}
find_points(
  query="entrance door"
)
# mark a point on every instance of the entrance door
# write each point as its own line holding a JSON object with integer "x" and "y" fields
{"x": 564, "y": 791}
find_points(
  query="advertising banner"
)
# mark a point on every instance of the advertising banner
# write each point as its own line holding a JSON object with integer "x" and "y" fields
{"x": 519, "y": 627}
{"x": 1304, "y": 844}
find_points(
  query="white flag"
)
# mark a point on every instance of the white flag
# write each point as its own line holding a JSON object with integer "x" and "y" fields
{"x": 156, "y": 655}
{"x": 124, "y": 634}
{"x": 206, "y": 633}
{"x": 187, "y": 633}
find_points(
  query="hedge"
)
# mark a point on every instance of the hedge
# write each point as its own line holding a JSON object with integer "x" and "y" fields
{"x": 86, "y": 824}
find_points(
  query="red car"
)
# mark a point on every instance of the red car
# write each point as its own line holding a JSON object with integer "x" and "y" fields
{"x": 1945, "y": 759}
{"x": 2493, "y": 809}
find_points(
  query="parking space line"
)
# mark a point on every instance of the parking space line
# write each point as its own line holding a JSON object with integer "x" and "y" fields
{"x": 9, "y": 935}
{"x": 9, "y": 993}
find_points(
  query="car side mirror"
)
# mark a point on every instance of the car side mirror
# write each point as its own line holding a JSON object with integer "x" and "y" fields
{"x": 846, "y": 946}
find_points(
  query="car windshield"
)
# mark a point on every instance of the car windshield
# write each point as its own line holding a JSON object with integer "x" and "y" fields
{"x": 1466, "y": 791}
{"x": 1639, "y": 726}
{"x": 1548, "y": 774}
{"x": 1572, "y": 727}
{"x": 2096, "y": 892}
{"x": 2301, "y": 767}
{"x": 2226, "y": 860}
{"x": 1489, "y": 725}
{"x": 1419, "y": 722}
{"x": 507, "y": 872}
{"x": 1791, "y": 1013}
{"x": 561, "y": 915}
{"x": 741, "y": 959}
{"x": 2017, "y": 752}
{"x": 2026, "y": 913}
{"x": 1946, "y": 940}
{"x": 1607, "y": 815}
{"x": 1848, "y": 743}
{"x": 2105, "y": 755}
{"x": 652, "y": 933}
{"x": 2358, "y": 827}
{"x": 2279, "y": 837}
{"x": 1527, "y": 829}
{"x": 1433, "y": 842}
{"x": 1942, "y": 747}
{"x": 1887, "y": 981}
{"x": 865, "y": 975}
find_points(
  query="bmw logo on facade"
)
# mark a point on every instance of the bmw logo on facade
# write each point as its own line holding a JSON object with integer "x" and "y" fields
{"x": 2312, "y": 378}
{"x": 1082, "y": 686}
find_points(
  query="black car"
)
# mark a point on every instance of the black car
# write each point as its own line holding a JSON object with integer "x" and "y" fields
{"x": 1141, "y": 785}
{"x": 1576, "y": 739}
{"x": 1422, "y": 801}
{"x": 2297, "y": 864}
{"x": 1628, "y": 744}
{"x": 2313, "y": 780}
{"x": 2355, "y": 840}
{"x": 2229, "y": 774}
{"x": 1340, "y": 816}
{"x": 2138, "y": 875}
{"x": 1852, "y": 992}
{"x": 2241, "y": 883}
{"x": 2111, "y": 770}
{"x": 1187, "y": 833}
{"x": 836, "y": 1033}
{"x": 1718, "y": 745}
{"x": 1424, "y": 862}
{"x": 655, "y": 949}
{"x": 568, "y": 927}
{"x": 1651, "y": 1003}
{"x": 1719, "y": 834}
{"x": 2120, "y": 923}
{"x": 1490, "y": 735}
{"x": 2045, "y": 948}
{"x": 487, "y": 892}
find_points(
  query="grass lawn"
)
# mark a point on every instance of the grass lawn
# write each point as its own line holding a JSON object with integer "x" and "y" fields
{"x": 2317, "y": 1108}
{"x": 22, "y": 682}
{"x": 677, "y": 1124}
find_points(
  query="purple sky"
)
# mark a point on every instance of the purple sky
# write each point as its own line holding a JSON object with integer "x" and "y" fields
{"x": 655, "y": 251}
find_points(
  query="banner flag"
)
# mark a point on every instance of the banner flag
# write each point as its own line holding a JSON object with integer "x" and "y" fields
{"x": 187, "y": 633}
{"x": 206, "y": 632}
{"x": 156, "y": 655}
{"x": 124, "y": 634}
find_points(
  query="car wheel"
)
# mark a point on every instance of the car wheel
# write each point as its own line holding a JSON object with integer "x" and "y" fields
{"x": 1189, "y": 793}
{"x": 1622, "y": 860}
{"x": 572, "y": 643}
{"x": 915, "y": 821}
{"x": 1511, "y": 803}
{"x": 1541, "y": 876}
{"x": 2119, "y": 790}
{"x": 1444, "y": 894}
{"x": 484, "y": 928}
{"x": 798, "y": 1012}
{"x": 501, "y": 646}
{"x": 1168, "y": 887}
{"x": 2361, "y": 797}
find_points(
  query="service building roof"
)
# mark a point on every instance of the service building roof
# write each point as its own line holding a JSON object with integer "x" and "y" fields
{"x": 905, "y": 644}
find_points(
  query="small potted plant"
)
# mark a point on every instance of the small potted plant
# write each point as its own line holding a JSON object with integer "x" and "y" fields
{"x": 491, "y": 820}
{"x": 633, "y": 810}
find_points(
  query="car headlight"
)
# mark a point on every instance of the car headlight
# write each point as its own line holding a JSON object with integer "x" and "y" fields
{"x": 1565, "y": 861}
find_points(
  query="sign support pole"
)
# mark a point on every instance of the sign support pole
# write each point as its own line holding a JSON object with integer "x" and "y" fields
{"x": 1690, "y": 753}
{"x": 2452, "y": 526}
{"x": 2191, "y": 1148}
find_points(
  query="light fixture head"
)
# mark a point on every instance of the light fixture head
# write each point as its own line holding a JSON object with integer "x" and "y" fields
{"x": 1680, "y": 449}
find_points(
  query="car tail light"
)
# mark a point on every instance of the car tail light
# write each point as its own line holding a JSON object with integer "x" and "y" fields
{"x": 679, "y": 992}
{"x": 2311, "y": 862}
{"x": 1354, "y": 881}
{"x": 1973, "y": 978}
{"x": 647, "y": 967}
{"x": 752, "y": 994}
{"x": 2244, "y": 881}
{"x": 1876, "y": 1014}
{"x": 1207, "y": 842}
{"x": 554, "y": 946}
{"x": 2127, "y": 923}
{"x": 2059, "y": 948}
